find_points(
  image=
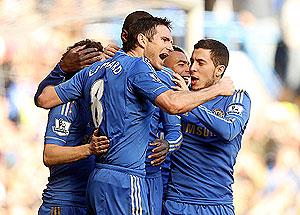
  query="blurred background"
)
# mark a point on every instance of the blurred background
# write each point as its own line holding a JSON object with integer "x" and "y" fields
{"x": 264, "y": 42}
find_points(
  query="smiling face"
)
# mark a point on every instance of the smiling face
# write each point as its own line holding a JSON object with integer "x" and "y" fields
{"x": 159, "y": 46}
{"x": 203, "y": 71}
{"x": 179, "y": 63}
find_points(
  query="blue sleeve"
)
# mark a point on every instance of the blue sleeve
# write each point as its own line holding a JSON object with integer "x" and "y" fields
{"x": 60, "y": 119}
{"x": 172, "y": 130}
{"x": 146, "y": 82}
{"x": 235, "y": 121}
{"x": 166, "y": 75}
{"x": 56, "y": 76}
{"x": 73, "y": 88}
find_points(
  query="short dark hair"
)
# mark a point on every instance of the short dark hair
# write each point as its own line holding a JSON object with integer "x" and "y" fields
{"x": 88, "y": 44}
{"x": 146, "y": 26}
{"x": 178, "y": 49}
{"x": 218, "y": 51}
{"x": 133, "y": 17}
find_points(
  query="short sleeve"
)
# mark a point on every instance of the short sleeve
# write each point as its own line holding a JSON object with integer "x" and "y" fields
{"x": 146, "y": 82}
{"x": 60, "y": 121}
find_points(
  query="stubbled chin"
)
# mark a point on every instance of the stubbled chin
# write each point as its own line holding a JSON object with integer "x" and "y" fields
{"x": 195, "y": 87}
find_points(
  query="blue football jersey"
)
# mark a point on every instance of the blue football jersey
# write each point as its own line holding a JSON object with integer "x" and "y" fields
{"x": 55, "y": 77}
{"x": 164, "y": 122}
{"x": 67, "y": 126}
{"x": 202, "y": 170}
{"x": 120, "y": 91}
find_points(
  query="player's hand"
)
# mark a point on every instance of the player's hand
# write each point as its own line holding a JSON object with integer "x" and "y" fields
{"x": 110, "y": 50}
{"x": 79, "y": 57}
{"x": 98, "y": 145}
{"x": 226, "y": 86}
{"x": 180, "y": 83}
{"x": 159, "y": 153}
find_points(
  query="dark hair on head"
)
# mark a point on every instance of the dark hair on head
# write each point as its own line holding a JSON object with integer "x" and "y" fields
{"x": 178, "y": 49}
{"x": 133, "y": 17}
{"x": 218, "y": 51}
{"x": 88, "y": 44}
{"x": 146, "y": 26}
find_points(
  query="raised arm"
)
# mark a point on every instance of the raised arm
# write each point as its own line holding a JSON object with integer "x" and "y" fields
{"x": 237, "y": 116}
{"x": 56, "y": 76}
{"x": 176, "y": 102}
{"x": 72, "y": 61}
{"x": 48, "y": 98}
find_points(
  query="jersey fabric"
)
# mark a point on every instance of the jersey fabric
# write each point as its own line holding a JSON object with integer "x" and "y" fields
{"x": 123, "y": 89}
{"x": 67, "y": 126}
{"x": 56, "y": 76}
{"x": 202, "y": 170}
{"x": 163, "y": 122}
{"x": 170, "y": 125}
{"x": 125, "y": 109}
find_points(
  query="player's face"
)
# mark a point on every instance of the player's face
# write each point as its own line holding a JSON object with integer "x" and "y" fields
{"x": 179, "y": 63}
{"x": 159, "y": 47}
{"x": 202, "y": 70}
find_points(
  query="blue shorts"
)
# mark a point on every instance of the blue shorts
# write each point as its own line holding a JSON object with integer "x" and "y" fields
{"x": 155, "y": 192}
{"x": 178, "y": 208}
{"x": 111, "y": 190}
{"x": 165, "y": 172}
{"x": 61, "y": 210}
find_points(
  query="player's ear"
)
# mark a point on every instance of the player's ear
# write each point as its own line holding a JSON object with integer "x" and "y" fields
{"x": 219, "y": 71}
{"x": 124, "y": 35}
{"x": 142, "y": 40}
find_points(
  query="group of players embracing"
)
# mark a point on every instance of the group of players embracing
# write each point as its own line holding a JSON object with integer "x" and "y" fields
{"x": 141, "y": 129}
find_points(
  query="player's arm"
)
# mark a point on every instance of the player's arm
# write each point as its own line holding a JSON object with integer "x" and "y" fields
{"x": 145, "y": 81}
{"x": 73, "y": 61}
{"x": 176, "y": 102}
{"x": 78, "y": 58}
{"x": 172, "y": 141}
{"x": 56, "y": 154}
{"x": 237, "y": 116}
{"x": 67, "y": 91}
{"x": 172, "y": 130}
{"x": 62, "y": 122}
{"x": 48, "y": 98}
{"x": 56, "y": 76}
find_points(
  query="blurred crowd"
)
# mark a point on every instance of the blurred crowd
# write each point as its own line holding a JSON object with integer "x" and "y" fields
{"x": 267, "y": 172}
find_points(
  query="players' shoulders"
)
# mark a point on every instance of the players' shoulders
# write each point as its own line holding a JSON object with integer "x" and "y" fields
{"x": 166, "y": 74}
{"x": 239, "y": 96}
{"x": 167, "y": 71}
{"x": 66, "y": 110}
{"x": 142, "y": 65}
{"x": 240, "y": 92}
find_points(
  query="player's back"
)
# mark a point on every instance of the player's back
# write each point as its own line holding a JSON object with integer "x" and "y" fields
{"x": 67, "y": 126}
{"x": 119, "y": 91}
{"x": 127, "y": 112}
